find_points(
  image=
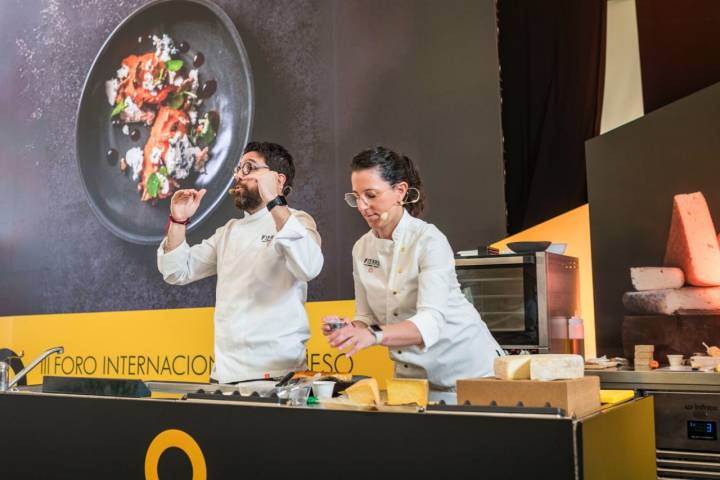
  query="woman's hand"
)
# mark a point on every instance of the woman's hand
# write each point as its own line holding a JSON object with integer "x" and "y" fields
{"x": 332, "y": 323}
{"x": 351, "y": 338}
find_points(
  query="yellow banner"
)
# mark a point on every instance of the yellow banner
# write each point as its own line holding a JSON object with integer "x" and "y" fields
{"x": 175, "y": 345}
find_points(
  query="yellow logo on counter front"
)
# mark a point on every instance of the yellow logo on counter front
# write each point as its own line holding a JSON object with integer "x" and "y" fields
{"x": 178, "y": 439}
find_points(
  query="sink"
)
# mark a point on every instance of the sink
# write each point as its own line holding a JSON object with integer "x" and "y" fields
{"x": 158, "y": 389}
{"x": 28, "y": 388}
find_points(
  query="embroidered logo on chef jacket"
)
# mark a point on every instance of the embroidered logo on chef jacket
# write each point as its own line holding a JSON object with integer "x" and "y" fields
{"x": 266, "y": 239}
{"x": 371, "y": 263}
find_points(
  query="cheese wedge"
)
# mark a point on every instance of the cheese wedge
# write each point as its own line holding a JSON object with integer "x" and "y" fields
{"x": 364, "y": 392}
{"x": 692, "y": 241}
{"x": 556, "y": 367}
{"x": 407, "y": 391}
{"x": 512, "y": 367}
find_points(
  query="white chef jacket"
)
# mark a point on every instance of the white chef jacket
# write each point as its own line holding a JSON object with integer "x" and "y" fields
{"x": 412, "y": 277}
{"x": 261, "y": 326}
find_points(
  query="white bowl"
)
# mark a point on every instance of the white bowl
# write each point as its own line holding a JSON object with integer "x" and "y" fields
{"x": 703, "y": 362}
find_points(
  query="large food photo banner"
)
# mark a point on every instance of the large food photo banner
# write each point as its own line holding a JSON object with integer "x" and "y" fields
{"x": 108, "y": 108}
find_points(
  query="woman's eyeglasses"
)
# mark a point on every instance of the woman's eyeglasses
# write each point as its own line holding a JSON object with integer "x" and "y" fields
{"x": 351, "y": 198}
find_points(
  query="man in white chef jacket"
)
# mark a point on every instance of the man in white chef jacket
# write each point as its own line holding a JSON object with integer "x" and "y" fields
{"x": 263, "y": 262}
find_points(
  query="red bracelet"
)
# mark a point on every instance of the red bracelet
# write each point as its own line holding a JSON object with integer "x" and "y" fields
{"x": 185, "y": 222}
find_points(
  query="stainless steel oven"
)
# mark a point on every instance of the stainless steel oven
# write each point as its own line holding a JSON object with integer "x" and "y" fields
{"x": 526, "y": 300}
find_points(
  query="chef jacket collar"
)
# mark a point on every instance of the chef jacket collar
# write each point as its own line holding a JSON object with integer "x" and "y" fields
{"x": 401, "y": 226}
{"x": 251, "y": 217}
{"x": 399, "y": 229}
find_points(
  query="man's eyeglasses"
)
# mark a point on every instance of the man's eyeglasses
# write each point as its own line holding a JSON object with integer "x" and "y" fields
{"x": 247, "y": 168}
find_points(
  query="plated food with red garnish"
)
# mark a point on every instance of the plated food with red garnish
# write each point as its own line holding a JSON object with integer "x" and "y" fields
{"x": 161, "y": 90}
{"x": 167, "y": 104}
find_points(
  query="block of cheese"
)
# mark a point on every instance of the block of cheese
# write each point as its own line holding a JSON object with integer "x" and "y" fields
{"x": 644, "y": 348}
{"x": 407, "y": 391}
{"x": 692, "y": 241}
{"x": 656, "y": 278}
{"x": 640, "y": 362}
{"x": 512, "y": 367}
{"x": 556, "y": 367}
{"x": 672, "y": 301}
{"x": 364, "y": 392}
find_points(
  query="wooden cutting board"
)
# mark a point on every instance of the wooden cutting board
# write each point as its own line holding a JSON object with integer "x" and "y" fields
{"x": 579, "y": 396}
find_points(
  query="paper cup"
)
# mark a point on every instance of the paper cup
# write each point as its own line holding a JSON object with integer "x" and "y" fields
{"x": 323, "y": 388}
{"x": 675, "y": 360}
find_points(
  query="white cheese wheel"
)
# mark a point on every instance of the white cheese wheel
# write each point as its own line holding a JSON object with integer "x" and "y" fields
{"x": 556, "y": 367}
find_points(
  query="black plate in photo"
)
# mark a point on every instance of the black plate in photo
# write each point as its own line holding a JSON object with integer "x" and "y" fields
{"x": 528, "y": 247}
{"x": 112, "y": 195}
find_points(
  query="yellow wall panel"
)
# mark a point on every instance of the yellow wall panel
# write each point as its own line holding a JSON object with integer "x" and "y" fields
{"x": 572, "y": 228}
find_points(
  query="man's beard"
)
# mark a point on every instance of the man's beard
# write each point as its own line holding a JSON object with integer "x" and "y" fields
{"x": 246, "y": 199}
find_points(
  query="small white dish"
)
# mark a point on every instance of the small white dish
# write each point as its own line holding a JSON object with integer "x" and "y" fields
{"x": 703, "y": 362}
{"x": 323, "y": 388}
{"x": 675, "y": 360}
{"x": 558, "y": 248}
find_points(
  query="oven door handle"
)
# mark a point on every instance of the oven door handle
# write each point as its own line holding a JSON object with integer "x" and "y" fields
{"x": 472, "y": 262}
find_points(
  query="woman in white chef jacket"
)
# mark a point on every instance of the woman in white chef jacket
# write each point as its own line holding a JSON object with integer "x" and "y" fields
{"x": 406, "y": 291}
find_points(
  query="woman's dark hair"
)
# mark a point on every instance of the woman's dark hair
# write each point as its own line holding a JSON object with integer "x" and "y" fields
{"x": 277, "y": 158}
{"x": 393, "y": 168}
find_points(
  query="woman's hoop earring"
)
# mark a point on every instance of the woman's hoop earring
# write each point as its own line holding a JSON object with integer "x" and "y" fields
{"x": 406, "y": 200}
{"x": 287, "y": 190}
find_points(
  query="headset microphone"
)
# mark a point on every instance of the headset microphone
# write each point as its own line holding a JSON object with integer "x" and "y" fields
{"x": 384, "y": 215}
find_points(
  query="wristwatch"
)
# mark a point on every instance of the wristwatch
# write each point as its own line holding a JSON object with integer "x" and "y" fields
{"x": 279, "y": 200}
{"x": 377, "y": 333}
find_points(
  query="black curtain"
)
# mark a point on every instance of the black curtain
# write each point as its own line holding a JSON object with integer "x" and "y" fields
{"x": 678, "y": 48}
{"x": 552, "y": 65}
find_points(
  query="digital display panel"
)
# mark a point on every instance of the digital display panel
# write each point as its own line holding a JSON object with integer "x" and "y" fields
{"x": 702, "y": 430}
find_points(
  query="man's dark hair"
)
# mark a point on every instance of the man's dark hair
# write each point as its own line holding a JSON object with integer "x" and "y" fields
{"x": 277, "y": 158}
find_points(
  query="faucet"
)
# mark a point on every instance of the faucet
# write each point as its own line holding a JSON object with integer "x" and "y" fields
{"x": 5, "y": 385}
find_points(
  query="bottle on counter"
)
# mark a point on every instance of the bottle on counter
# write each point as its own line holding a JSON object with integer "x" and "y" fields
{"x": 576, "y": 334}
